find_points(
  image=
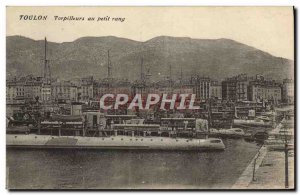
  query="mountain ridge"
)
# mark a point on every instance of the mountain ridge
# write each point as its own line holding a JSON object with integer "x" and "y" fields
{"x": 85, "y": 56}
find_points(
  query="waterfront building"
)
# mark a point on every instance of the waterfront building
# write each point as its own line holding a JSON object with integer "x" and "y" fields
{"x": 23, "y": 88}
{"x": 165, "y": 86}
{"x": 288, "y": 91}
{"x": 184, "y": 89}
{"x": 14, "y": 90}
{"x": 264, "y": 91}
{"x": 236, "y": 88}
{"x": 64, "y": 91}
{"x": 183, "y": 86}
{"x": 121, "y": 87}
{"x": 33, "y": 88}
{"x": 159, "y": 87}
{"x": 201, "y": 87}
{"x": 113, "y": 87}
{"x": 215, "y": 90}
{"x": 99, "y": 89}
{"x": 46, "y": 93}
{"x": 85, "y": 89}
{"x": 139, "y": 87}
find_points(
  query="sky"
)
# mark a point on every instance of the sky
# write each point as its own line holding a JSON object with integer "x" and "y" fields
{"x": 270, "y": 29}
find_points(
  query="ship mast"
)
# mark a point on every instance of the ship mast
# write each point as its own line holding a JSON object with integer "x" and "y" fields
{"x": 142, "y": 70}
{"x": 47, "y": 71}
{"x": 181, "y": 77}
{"x": 108, "y": 66}
{"x": 45, "y": 57}
{"x": 170, "y": 78}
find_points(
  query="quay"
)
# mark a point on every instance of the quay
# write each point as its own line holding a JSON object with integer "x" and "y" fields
{"x": 273, "y": 165}
{"x": 247, "y": 176}
{"x": 268, "y": 173}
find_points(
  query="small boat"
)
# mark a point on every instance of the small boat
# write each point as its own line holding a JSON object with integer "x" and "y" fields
{"x": 258, "y": 136}
{"x": 249, "y": 137}
{"x": 261, "y": 136}
{"x": 257, "y": 122}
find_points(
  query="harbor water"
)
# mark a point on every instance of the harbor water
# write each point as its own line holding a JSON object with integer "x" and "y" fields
{"x": 98, "y": 169}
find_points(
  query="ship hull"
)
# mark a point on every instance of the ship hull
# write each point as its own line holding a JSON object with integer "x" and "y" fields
{"x": 227, "y": 133}
{"x": 114, "y": 142}
{"x": 251, "y": 123}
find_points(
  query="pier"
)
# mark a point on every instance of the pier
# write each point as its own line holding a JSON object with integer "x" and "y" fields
{"x": 266, "y": 171}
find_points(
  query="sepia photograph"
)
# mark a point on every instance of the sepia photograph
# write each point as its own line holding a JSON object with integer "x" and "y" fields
{"x": 150, "y": 98}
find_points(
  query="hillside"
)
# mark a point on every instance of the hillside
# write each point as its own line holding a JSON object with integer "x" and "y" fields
{"x": 217, "y": 58}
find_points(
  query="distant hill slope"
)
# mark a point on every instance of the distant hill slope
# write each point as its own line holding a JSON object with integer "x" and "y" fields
{"x": 86, "y": 56}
